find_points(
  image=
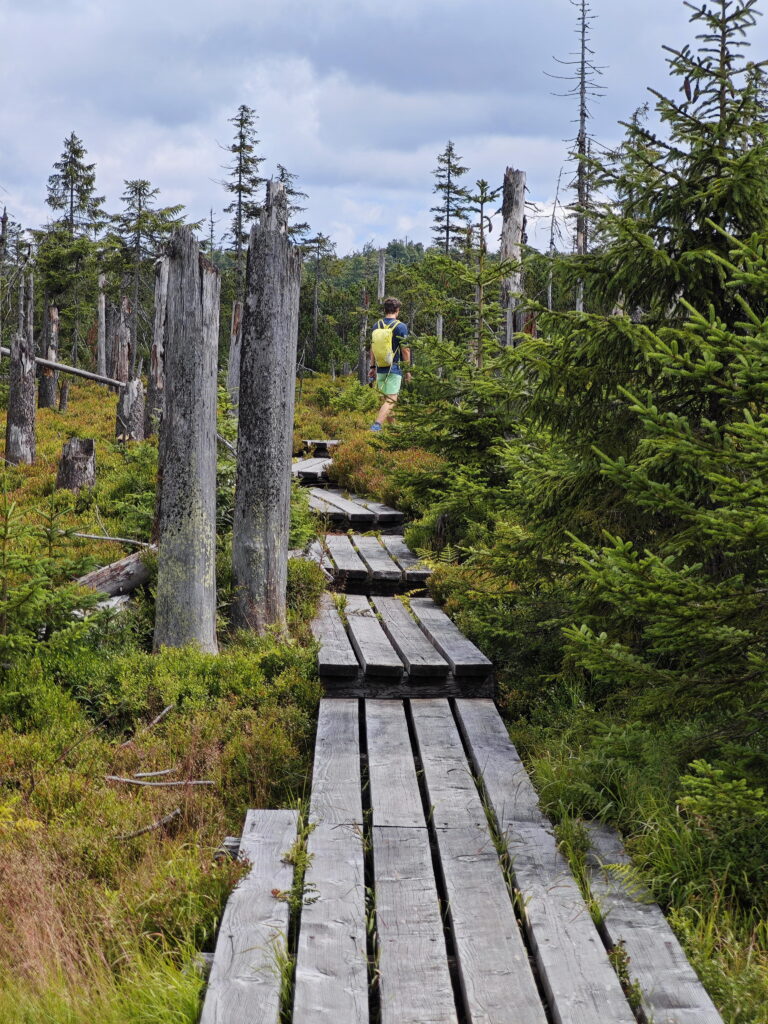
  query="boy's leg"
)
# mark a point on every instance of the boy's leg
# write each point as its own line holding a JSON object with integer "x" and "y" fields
{"x": 387, "y": 409}
{"x": 389, "y": 385}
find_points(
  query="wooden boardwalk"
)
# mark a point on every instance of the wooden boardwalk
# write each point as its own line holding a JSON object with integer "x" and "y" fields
{"x": 435, "y": 892}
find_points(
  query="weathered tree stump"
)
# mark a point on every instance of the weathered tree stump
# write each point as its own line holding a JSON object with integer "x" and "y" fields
{"x": 233, "y": 362}
{"x": 20, "y": 421}
{"x": 185, "y": 607}
{"x": 77, "y": 466}
{"x": 129, "y": 423}
{"x": 121, "y": 353}
{"x": 512, "y": 232}
{"x": 48, "y": 387}
{"x": 153, "y": 410}
{"x": 265, "y": 423}
{"x": 63, "y": 396}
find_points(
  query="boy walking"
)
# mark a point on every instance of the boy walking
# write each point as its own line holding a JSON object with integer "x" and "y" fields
{"x": 388, "y": 357}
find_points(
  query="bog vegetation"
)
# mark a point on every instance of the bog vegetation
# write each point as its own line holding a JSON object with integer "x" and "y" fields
{"x": 592, "y": 499}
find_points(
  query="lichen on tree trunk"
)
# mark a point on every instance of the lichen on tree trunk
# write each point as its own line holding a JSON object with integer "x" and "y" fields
{"x": 185, "y": 609}
{"x": 265, "y": 423}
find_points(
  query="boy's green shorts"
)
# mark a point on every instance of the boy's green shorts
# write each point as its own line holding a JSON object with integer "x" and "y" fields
{"x": 388, "y": 383}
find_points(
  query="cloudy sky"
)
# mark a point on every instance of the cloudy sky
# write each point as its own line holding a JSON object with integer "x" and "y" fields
{"x": 357, "y": 97}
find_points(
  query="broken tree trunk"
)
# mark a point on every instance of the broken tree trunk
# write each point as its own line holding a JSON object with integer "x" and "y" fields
{"x": 265, "y": 423}
{"x": 20, "y": 422}
{"x": 129, "y": 423}
{"x": 185, "y": 608}
{"x": 121, "y": 353}
{"x": 439, "y": 326}
{"x": 153, "y": 410}
{"x": 46, "y": 391}
{"x": 233, "y": 363}
{"x": 77, "y": 466}
{"x": 512, "y": 230}
{"x": 362, "y": 349}
{"x": 74, "y": 370}
{"x": 119, "y": 577}
{"x": 64, "y": 396}
{"x": 101, "y": 336}
{"x": 382, "y": 289}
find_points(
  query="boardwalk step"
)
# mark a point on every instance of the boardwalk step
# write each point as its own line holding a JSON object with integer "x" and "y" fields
{"x": 311, "y": 470}
{"x": 352, "y": 511}
{"x": 670, "y": 989}
{"x": 244, "y": 982}
{"x": 368, "y": 564}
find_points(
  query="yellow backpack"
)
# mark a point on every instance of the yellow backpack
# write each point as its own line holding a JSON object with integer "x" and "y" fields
{"x": 381, "y": 343}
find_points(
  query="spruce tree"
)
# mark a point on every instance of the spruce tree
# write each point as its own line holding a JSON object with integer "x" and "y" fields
{"x": 450, "y": 222}
{"x": 244, "y": 183}
{"x": 72, "y": 189}
{"x": 298, "y": 232}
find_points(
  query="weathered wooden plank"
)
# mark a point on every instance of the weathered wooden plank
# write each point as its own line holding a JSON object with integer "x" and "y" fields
{"x": 580, "y": 984}
{"x": 399, "y": 550}
{"x": 303, "y": 464}
{"x": 380, "y": 565}
{"x": 395, "y": 796}
{"x": 320, "y": 447}
{"x": 355, "y": 512}
{"x": 414, "y": 980}
{"x": 331, "y": 964}
{"x": 350, "y": 510}
{"x": 385, "y": 516}
{"x": 335, "y": 657}
{"x": 496, "y": 977}
{"x": 496, "y": 760}
{"x": 345, "y": 557}
{"x": 318, "y": 504}
{"x": 420, "y": 658}
{"x": 403, "y": 689}
{"x": 336, "y": 798}
{"x": 245, "y": 983}
{"x": 670, "y": 988}
{"x": 375, "y": 653}
{"x": 311, "y": 469}
{"x": 461, "y": 654}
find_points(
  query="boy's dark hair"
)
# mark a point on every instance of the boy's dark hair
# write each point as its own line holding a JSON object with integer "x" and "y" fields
{"x": 392, "y": 305}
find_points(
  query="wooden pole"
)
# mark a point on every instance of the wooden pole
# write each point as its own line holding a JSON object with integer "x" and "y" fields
{"x": 233, "y": 362}
{"x": 513, "y": 227}
{"x": 20, "y": 423}
{"x": 153, "y": 410}
{"x": 382, "y": 291}
{"x": 101, "y": 337}
{"x": 46, "y": 391}
{"x": 265, "y": 422}
{"x": 185, "y": 607}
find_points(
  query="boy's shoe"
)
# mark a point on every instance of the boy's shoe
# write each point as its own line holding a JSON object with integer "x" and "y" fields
{"x": 376, "y": 427}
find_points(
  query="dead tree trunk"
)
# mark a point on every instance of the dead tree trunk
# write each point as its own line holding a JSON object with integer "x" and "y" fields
{"x": 101, "y": 336}
{"x": 153, "y": 410}
{"x": 64, "y": 396}
{"x": 513, "y": 228}
{"x": 46, "y": 391}
{"x": 129, "y": 424}
{"x": 362, "y": 357}
{"x": 119, "y": 577}
{"x": 185, "y": 608}
{"x": 20, "y": 423}
{"x": 233, "y": 363}
{"x": 77, "y": 466}
{"x": 121, "y": 354}
{"x": 382, "y": 290}
{"x": 439, "y": 326}
{"x": 265, "y": 424}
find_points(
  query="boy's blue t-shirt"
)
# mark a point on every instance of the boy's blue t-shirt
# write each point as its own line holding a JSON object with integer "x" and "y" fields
{"x": 399, "y": 335}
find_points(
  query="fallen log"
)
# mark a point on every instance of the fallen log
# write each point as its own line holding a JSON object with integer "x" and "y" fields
{"x": 118, "y": 577}
{"x": 74, "y": 370}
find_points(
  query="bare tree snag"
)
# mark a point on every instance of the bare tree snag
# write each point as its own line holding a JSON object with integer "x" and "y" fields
{"x": 185, "y": 608}
{"x": 129, "y": 423}
{"x": 20, "y": 422}
{"x": 153, "y": 410}
{"x": 265, "y": 425}
{"x": 77, "y": 466}
{"x": 101, "y": 336}
{"x": 382, "y": 289}
{"x": 439, "y": 326}
{"x": 235, "y": 347}
{"x": 118, "y": 577}
{"x": 121, "y": 354}
{"x": 512, "y": 230}
{"x": 362, "y": 349}
{"x": 64, "y": 396}
{"x": 47, "y": 388}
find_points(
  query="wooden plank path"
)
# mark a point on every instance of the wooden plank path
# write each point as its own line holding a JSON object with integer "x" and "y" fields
{"x": 351, "y": 511}
{"x": 395, "y": 650}
{"x": 435, "y": 892}
{"x": 370, "y": 564}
